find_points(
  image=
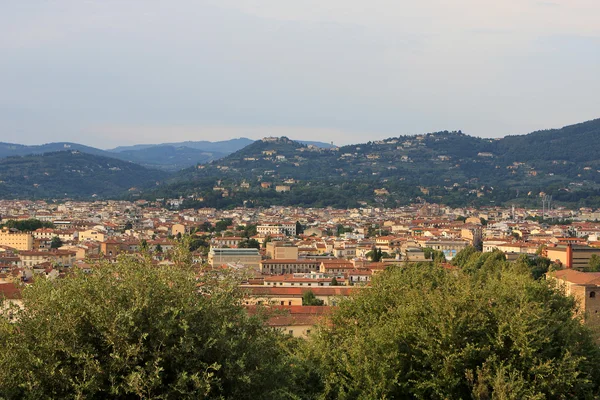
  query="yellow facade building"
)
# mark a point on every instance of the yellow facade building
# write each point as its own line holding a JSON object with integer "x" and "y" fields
{"x": 16, "y": 239}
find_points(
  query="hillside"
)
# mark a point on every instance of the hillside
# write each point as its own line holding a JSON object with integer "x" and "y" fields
{"x": 165, "y": 157}
{"x": 73, "y": 174}
{"x": 445, "y": 167}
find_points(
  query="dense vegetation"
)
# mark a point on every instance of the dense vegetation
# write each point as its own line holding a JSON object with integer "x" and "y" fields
{"x": 487, "y": 330}
{"x": 442, "y": 167}
{"x": 131, "y": 330}
{"x": 422, "y": 332}
{"x": 446, "y": 167}
{"x": 27, "y": 225}
{"x": 72, "y": 174}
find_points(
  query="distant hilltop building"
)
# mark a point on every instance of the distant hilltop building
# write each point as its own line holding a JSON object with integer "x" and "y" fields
{"x": 381, "y": 192}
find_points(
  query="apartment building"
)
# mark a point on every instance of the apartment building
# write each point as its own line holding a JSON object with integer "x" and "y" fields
{"x": 16, "y": 239}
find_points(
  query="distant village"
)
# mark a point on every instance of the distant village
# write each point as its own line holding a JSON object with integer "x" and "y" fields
{"x": 302, "y": 260}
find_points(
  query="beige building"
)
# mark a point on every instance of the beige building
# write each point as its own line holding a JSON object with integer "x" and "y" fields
{"x": 277, "y": 267}
{"x": 16, "y": 239}
{"x": 92, "y": 235}
{"x": 584, "y": 287}
{"x": 572, "y": 256}
{"x": 278, "y": 250}
{"x": 60, "y": 257}
{"x": 177, "y": 228}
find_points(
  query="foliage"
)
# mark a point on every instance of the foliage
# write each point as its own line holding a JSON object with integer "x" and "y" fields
{"x": 56, "y": 243}
{"x": 376, "y": 254}
{"x": 73, "y": 174}
{"x": 28, "y": 225}
{"x": 436, "y": 255}
{"x": 594, "y": 263}
{"x": 299, "y": 228}
{"x": 309, "y": 299}
{"x": 223, "y": 224}
{"x": 132, "y": 330}
{"x": 249, "y": 244}
{"x": 422, "y": 332}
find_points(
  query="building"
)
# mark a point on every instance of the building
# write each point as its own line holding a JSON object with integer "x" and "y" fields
{"x": 247, "y": 257}
{"x": 278, "y": 267}
{"x": 227, "y": 241}
{"x": 449, "y": 247}
{"x": 309, "y": 279}
{"x": 279, "y": 250}
{"x": 15, "y": 239}
{"x": 572, "y": 256}
{"x": 584, "y": 287}
{"x": 58, "y": 257}
{"x": 292, "y": 296}
{"x": 92, "y": 235}
{"x": 297, "y": 321}
{"x": 286, "y": 228}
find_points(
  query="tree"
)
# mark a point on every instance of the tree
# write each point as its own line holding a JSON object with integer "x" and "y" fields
{"x": 594, "y": 263}
{"x": 158, "y": 248}
{"x": 309, "y": 299}
{"x": 249, "y": 244}
{"x": 223, "y": 224}
{"x": 423, "y": 332}
{"x": 56, "y": 243}
{"x": 28, "y": 225}
{"x": 131, "y": 330}
{"x": 334, "y": 282}
{"x": 376, "y": 254}
{"x": 299, "y": 228}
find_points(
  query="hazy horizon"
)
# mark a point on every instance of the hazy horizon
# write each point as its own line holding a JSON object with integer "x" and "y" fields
{"x": 116, "y": 73}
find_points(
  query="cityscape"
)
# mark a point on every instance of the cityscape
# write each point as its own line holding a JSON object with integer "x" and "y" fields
{"x": 316, "y": 200}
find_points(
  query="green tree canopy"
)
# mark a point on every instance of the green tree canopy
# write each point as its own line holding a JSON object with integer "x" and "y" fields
{"x": 422, "y": 332}
{"x": 594, "y": 263}
{"x": 249, "y": 244}
{"x": 132, "y": 330}
{"x": 309, "y": 299}
{"x": 28, "y": 225}
{"x": 56, "y": 242}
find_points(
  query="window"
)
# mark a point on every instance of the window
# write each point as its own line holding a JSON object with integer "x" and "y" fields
{"x": 291, "y": 332}
{"x": 592, "y": 295}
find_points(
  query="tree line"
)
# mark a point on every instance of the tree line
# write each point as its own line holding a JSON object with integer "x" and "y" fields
{"x": 486, "y": 329}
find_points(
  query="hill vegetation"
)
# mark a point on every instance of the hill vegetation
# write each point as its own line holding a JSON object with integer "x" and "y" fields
{"x": 72, "y": 174}
{"x": 441, "y": 167}
{"x": 447, "y": 167}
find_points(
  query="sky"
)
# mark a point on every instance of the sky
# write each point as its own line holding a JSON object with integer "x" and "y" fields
{"x": 119, "y": 72}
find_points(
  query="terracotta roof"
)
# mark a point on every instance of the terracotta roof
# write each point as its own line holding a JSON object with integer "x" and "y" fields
{"x": 10, "y": 291}
{"x": 577, "y": 277}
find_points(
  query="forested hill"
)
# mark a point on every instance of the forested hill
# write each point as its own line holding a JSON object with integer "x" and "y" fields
{"x": 446, "y": 167}
{"x": 73, "y": 174}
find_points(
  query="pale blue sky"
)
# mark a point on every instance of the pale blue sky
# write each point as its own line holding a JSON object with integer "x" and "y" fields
{"x": 117, "y": 72}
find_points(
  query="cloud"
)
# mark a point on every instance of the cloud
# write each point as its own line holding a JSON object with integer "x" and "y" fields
{"x": 329, "y": 68}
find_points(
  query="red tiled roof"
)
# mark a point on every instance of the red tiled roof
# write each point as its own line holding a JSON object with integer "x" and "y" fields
{"x": 10, "y": 291}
